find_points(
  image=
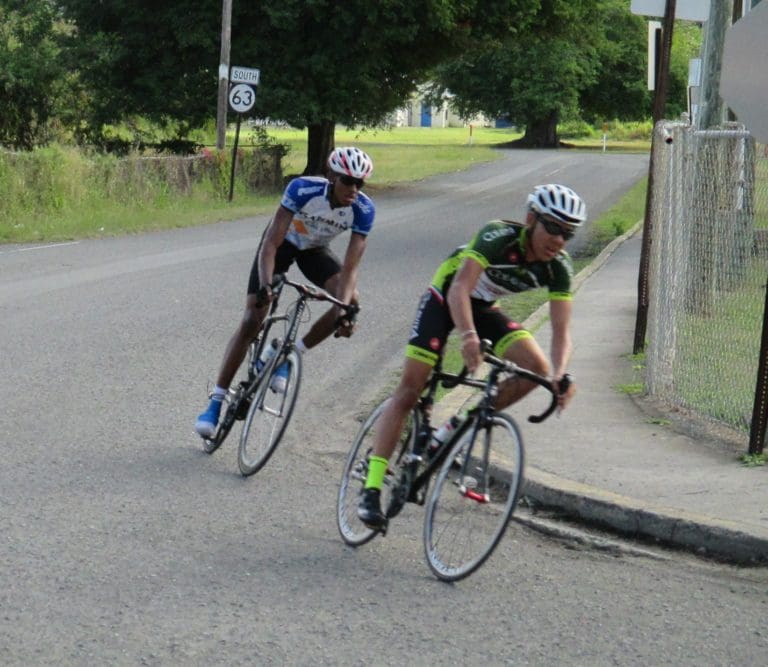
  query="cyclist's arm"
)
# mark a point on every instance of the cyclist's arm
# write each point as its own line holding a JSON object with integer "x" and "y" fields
{"x": 461, "y": 311}
{"x": 349, "y": 269}
{"x": 273, "y": 238}
{"x": 561, "y": 346}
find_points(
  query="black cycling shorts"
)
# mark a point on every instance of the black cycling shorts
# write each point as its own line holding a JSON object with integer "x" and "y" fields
{"x": 433, "y": 323}
{"x": 317, "y": 264}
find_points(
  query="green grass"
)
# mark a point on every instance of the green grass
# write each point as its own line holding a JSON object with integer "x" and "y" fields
{"x": 631, "y": 388}
{"x": 761, "y": 203}
{"x": 716, "y": 381}
{"x": 73, "y": 201}
{"x": 405, "y": 153}
{"x": 753, "y": 460}
{"x": 619, "y": 219}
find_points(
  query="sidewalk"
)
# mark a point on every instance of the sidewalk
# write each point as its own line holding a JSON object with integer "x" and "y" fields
{"x": 605, "y": 461}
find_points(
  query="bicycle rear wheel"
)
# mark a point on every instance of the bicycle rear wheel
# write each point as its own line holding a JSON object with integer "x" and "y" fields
{"x": 470, "y": 506}
{"x": 353, "y": 531}
{"x": 268, "y": 417}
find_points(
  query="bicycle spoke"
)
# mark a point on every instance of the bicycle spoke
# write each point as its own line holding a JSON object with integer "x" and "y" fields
{"x": 353, "y": 531}
{"x": 471, "y": 503}
{"x": 268, "y": 418}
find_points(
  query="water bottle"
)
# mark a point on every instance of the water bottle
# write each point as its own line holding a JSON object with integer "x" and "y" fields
{"x": 441, "y": 435}
{"x": 266, "y": 354}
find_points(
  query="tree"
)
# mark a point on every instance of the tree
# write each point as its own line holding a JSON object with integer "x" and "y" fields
{"x": 31, "y": 71}
{"x": 142, "y": 58}
{"x": 322, "y": 62}
{"x": 686, "y": 44}
{"x": 620, "y": 89}
{"x": 532, "y": 78}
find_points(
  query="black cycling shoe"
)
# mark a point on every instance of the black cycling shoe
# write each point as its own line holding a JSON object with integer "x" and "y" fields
{"x": 369, "y": 509}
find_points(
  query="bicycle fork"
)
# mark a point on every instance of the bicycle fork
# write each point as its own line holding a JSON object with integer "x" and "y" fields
{"x": 467, "y": 483}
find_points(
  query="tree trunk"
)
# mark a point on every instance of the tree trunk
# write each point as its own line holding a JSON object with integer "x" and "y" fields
{"x": 542, "y": 133}
{"x": 320, "y": 143}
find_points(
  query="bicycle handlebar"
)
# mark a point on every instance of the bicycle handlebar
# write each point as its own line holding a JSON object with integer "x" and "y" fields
{"x": 451, "y": 381}
{"x": 511, "y": 367}
{"x": 312, "y": 292}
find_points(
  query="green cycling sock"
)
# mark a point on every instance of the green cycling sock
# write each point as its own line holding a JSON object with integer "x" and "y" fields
{"x": 377, "y": 468}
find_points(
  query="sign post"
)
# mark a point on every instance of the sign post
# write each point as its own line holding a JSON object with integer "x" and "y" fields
{"x": 242, "y": 97}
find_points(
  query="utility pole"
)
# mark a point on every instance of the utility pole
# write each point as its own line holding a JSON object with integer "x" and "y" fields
{"x": 659, "y": 108}
{"x": 221, "y": 106}
{"x": 711, "y": 108}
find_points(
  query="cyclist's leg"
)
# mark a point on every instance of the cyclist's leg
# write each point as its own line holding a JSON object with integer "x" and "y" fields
{"x": 322, "y": 267}
{"x": 237, "y": 347}
{"x": 399, "y": 406}
{"x": 511, "y": 341}
{"x": 430, "y": 331}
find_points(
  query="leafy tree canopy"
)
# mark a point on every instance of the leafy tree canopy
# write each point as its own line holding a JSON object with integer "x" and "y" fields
{"x": 321, "y": 61}
{"x": 620, "y": 89}
{"x": 31, "y": 72}
{"x": 534, "y": 77}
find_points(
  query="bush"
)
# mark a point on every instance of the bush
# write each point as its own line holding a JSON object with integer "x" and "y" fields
{"x": 45, "y": 185}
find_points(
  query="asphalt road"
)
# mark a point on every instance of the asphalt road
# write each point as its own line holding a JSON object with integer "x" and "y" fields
{"x": 121, "y": 542}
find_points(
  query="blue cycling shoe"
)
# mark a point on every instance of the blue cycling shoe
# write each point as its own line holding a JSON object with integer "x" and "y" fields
{"x": 208, "y": 421}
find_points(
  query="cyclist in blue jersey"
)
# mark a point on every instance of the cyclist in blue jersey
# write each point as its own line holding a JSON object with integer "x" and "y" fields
{"x": 504, "y": 257}
{"x": 312, "y": 212}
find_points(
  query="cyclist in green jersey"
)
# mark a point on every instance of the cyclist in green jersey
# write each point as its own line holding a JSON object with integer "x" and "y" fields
{"x": 504, "y": 257}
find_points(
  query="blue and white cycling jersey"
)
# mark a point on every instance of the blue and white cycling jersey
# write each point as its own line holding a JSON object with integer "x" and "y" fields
{"x": 315, "y": 224}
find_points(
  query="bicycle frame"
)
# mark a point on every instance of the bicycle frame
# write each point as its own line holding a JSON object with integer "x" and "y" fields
{"x": 292, "y": 316}
{"x": 483, "y": 412}
{"x": 239, "y": 396}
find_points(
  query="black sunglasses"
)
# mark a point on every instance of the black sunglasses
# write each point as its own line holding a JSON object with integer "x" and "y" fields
{"x": 350, "y": 181}
{"x": 554, "y": 228}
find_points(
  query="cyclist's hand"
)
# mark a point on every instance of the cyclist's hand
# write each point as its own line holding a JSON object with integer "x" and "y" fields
{"x": 346, "y": 322}
{"x": 470, "y": 352}
{"x": 566, "y": 390}
{"x": 263, "y": 296}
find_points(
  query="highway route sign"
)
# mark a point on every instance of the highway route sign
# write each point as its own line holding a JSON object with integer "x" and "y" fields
{"x": 242, "y": 97}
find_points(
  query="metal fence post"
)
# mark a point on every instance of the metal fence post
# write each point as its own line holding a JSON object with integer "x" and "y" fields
{"x": 760, "y": 411}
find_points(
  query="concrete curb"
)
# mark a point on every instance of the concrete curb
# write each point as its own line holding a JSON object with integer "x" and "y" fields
{"x": 725, "y": 540}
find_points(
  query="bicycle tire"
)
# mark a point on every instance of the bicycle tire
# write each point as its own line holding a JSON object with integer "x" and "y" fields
{"x": 463, "y": 525}
{"x": 353, "y": 531}
{"x": 268, "y": 417}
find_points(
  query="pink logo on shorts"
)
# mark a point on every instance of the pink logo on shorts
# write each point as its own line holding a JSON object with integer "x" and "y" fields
{"x": 434, "y": 343}
{"x": 513, "y": 325}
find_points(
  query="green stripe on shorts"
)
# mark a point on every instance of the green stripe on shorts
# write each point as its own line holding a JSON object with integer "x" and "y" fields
{"x": 420, "y": 354}
{"x": 503, "y": 344}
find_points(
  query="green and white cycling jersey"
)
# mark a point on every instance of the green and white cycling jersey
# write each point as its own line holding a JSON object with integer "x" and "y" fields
{"x": 499, "y": 247}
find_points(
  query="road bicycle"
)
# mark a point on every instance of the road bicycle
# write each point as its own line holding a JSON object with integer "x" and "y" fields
{"x": 478, "y": 472}
{"x": 265, "y": 412}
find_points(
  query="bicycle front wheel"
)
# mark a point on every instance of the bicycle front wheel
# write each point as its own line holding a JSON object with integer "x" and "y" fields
{"x": 268, "y": 417}
{"x": 353, "y": 531}
{"x": 470, "y": 505}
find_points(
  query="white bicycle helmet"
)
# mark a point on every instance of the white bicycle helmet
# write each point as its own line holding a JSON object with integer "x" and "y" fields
{"x": 558, "y": 202}
{"x": 350, "y": 161}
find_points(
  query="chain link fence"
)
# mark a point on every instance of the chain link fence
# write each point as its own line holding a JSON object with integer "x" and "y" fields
{"x": 707, "y": 273}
